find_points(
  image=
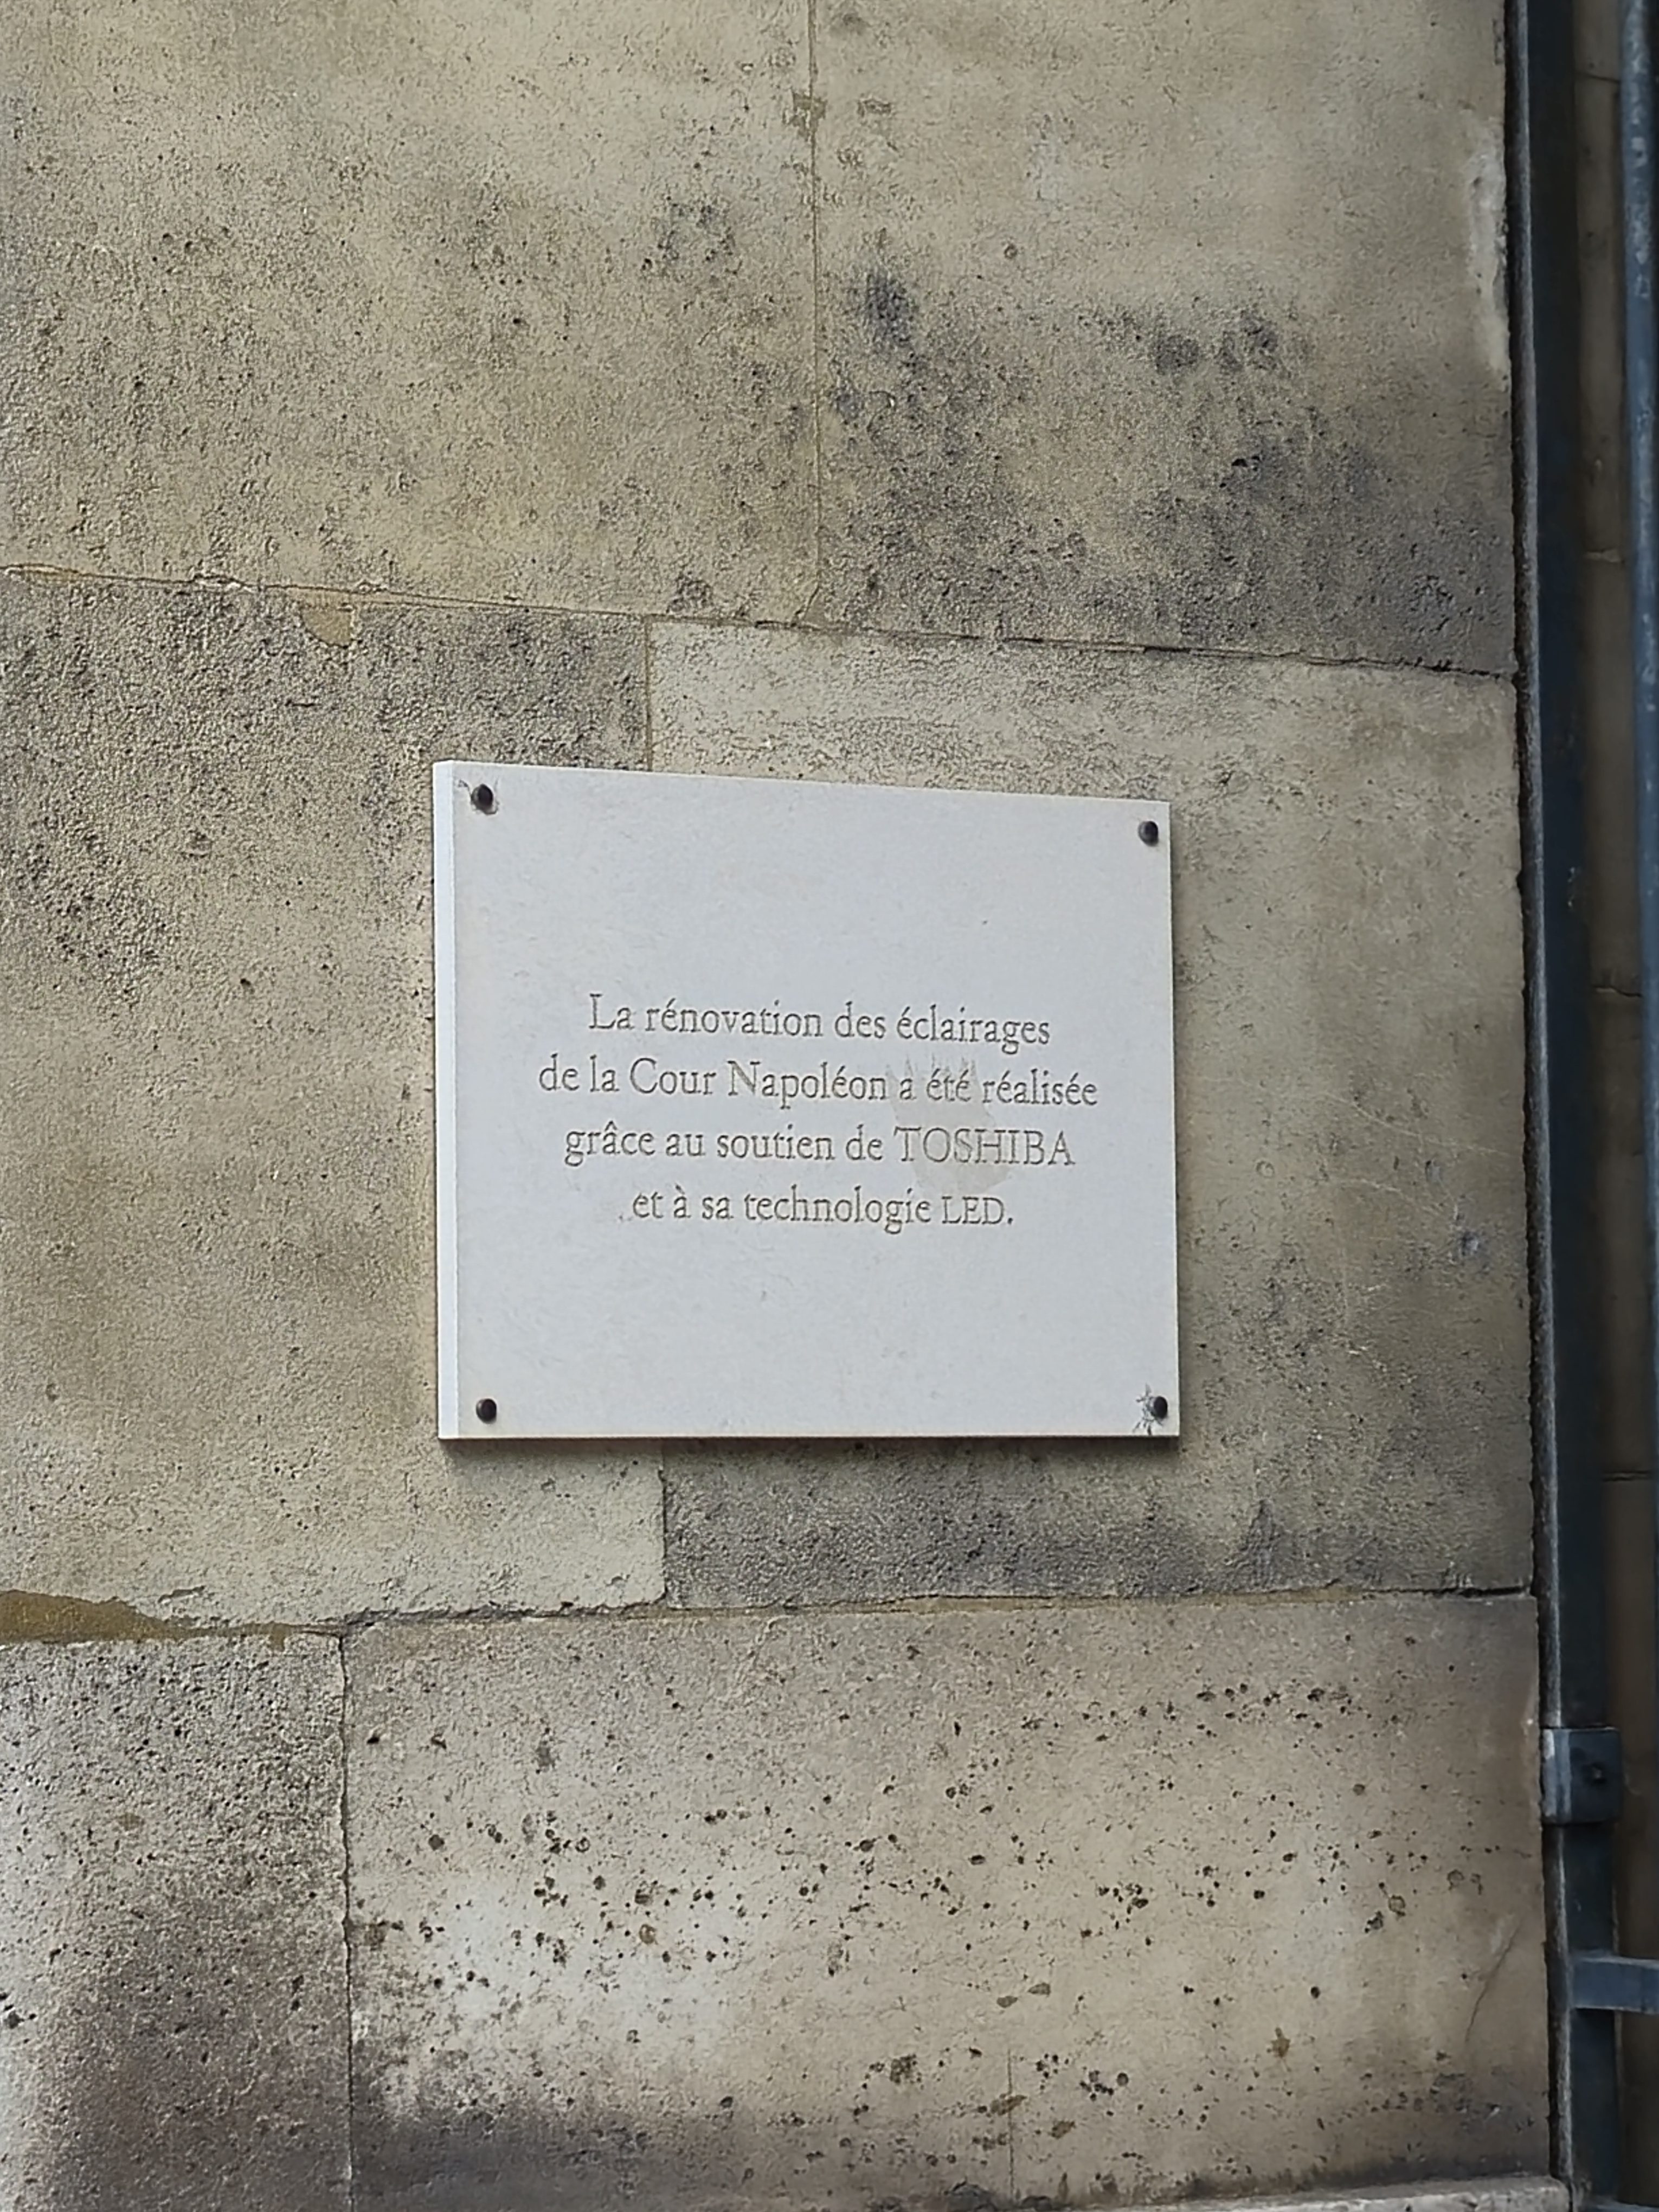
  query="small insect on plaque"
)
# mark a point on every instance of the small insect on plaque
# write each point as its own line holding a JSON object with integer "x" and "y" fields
{"x": 795, "y": 1109}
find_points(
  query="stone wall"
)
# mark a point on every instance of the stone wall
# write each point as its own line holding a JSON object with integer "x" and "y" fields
{"x": 1056, "y": 397}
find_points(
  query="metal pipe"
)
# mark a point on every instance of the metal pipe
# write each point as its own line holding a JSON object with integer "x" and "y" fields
{"x": 1637, "y": 152}
{"x": 1635, "y": 129}
{"x": 1560, "y": 1118}
{"x": 1636, "y": 135}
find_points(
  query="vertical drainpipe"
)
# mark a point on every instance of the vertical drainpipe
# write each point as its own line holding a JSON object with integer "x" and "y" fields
{"x": 1636, "y": 151}
{"x": 1560, "y": 1119}
{"x": 1636, "y": 161}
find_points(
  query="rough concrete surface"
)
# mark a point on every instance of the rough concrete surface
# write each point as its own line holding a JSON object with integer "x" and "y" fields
{"x": 1348, "y": 1079}
{"x": 215, "y": 1164}
{"x": 1172, "y": 324}
{"x": 172, "y": 2005}
{"x": 493, "y": 301}
{"x": 1081, "y": 1904}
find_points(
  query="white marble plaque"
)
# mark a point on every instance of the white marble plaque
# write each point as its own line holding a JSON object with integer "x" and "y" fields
{"x": 800, "y": 1110}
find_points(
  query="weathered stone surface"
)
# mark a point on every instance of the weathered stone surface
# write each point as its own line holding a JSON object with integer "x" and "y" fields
{"x": 1348, "y": 1079}
{"x": 1168, "y": 326}
{"x": 215, "y": 1157}
{"x": 492, "y": 301}
{"x": 172, "y": 1950}
{"x": 1077, "y": 1903}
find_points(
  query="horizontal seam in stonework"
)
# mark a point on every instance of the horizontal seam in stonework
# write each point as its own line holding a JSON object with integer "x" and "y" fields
{"x": 369, "y": 595}
{"x": 158, "y": 1628}
{"x": 1106, "y": 1601}
{"x": 1033, "y": 641}
{"x": 660, "y": 1610}
{"x": 152, "y": 1630}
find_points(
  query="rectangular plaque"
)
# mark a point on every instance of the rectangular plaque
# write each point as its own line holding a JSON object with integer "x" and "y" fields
{"x": 797, "y": 1110}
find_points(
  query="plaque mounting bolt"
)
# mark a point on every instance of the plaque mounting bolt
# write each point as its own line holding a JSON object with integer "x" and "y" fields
{"x": 1148, "y": 831}
{"x": 485, "y": 1409}
{"x": 1154, "y": 1409}
{"x": 483, "y": 797}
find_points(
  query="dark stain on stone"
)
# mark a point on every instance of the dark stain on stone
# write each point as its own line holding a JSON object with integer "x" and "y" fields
{"x": 890, "y": 313}
{"x": 1268, "y": 1557}
{"x": 820, "y": 1524}
{"x": 511, "y": 2154}
{"x": 693, "y": 595}
{"x": 195, "y": 2062}
{"x": 1114, "y": 474}
{"x": 694, "y": 239}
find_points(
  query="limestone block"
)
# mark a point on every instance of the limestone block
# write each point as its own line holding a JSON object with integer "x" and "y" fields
{"x": 1178, "y": 325}
{"x": 492, "y": 301}
{"x": 216, "y": 1152}
{"x": 1348, "y": 1097}
{"x": 172, "y": 2003}
{"x": 1079, "y": 1904}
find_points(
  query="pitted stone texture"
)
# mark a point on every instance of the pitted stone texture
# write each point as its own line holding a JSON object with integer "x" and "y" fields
{"x": 1075, "y": 1903}
{"x": 1348, "y": 1097}
{"x": 172, "y": 2003}
{"x": 1161, "y": 325}
{"x": 215, "y": 1158}
{"x": 492, "y": 301}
